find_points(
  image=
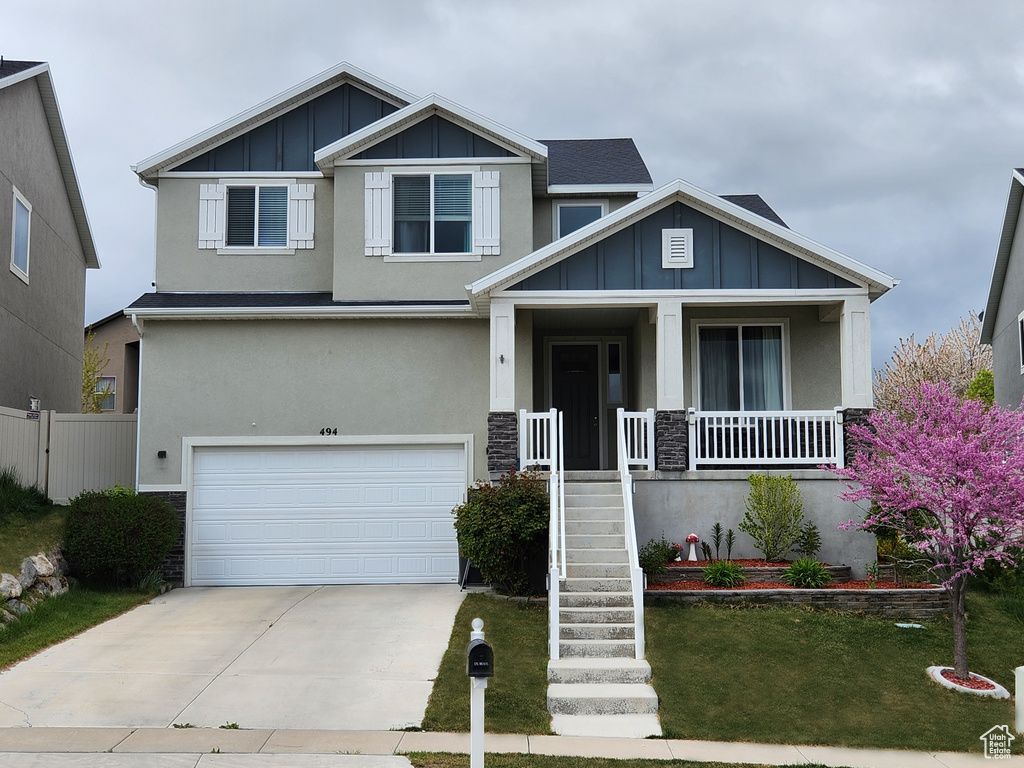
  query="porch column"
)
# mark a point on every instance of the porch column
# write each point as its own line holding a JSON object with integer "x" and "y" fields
{"x": 855, "y": 333}
{"x": 670, "y": 356}
{"x": 670, "y": 429}
{"x": 502, "y": 424}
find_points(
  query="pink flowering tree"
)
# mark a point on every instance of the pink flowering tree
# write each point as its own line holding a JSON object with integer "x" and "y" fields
{"x": 948, "y": 475}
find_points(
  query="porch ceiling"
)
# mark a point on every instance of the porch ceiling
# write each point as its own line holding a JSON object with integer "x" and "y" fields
{"x": 584, "y": 318}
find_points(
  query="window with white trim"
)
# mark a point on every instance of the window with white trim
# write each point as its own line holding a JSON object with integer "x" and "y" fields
{"x": 432, "y": 214}
{"x": 572, "y": 216}
{"x": 21, "y": 235}
{"x": 272, "y": 215}
{"x": 107, "y": 386}
{"x": 741, "y": 367}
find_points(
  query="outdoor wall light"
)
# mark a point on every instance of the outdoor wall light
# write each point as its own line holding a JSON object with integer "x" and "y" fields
{"x": 34, "y": 404}
{"x": 161, "y": 454}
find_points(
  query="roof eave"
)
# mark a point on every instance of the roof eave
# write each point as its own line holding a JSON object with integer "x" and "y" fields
{"x": 600, "y": 189}
{"x": 1014, "y": 199}
{"x": 266, "y": 110}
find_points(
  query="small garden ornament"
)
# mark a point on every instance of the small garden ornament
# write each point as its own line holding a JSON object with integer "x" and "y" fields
{"x": 692, "y": 540}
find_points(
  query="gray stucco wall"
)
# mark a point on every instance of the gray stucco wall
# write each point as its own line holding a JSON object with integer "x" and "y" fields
{"x": 361, "y": 277}
{"x": 1005, "y": 340}
{"x": 292, "y": 378}
{"x": 40, "y": 323}
{"x": 182, "y": 266}
{"x": 695, "y": 501}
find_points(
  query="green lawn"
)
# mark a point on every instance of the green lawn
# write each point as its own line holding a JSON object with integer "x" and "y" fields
{"x": 801, "y": 677}
{"x": 516, "y": 699}
{"x": 435, "y": 760}
{"x": 772, "y": 675}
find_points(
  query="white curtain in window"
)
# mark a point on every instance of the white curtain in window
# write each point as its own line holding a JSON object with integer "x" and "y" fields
{"x": 762, "y": 368}
{"x": 719, "y": 369}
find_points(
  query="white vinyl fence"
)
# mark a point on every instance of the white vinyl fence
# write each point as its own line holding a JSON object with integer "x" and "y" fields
{"x": 67, "y": 453}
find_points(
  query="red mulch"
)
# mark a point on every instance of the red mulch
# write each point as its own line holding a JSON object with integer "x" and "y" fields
{"x": 700, "y": 585}
{"x": 744, "y": 563}
{"x": 975, "y": 683}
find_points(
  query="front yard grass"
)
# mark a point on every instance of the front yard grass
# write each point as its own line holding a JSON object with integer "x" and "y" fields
{"x": 769, "y": 675}
{"x": 516, "y": 699}
{"x": 794, "y": 676}
{"x": 22, "y": 535}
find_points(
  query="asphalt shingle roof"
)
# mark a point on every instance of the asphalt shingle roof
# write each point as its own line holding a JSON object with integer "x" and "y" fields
{"x": 755, "y": 204}
{"x": 595, "y": 161}
{"x": 8, "y": 67}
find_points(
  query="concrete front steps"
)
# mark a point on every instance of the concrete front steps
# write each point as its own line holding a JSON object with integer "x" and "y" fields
{"x": 598, "y": 687}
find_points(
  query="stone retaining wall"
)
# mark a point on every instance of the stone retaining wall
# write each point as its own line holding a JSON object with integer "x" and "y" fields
{"x": 839, "y": 573}
{"x": 908, "y": 603}
{"x": 42, "y": 576}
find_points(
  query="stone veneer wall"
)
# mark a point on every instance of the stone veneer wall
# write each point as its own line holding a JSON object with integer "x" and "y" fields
{"x": 852, "y": 416}
{"x": 909, "y": 603}
{"x": 174, "y": 566}
{"x": 502, "y": 441}
{"x": 671, "y": 441}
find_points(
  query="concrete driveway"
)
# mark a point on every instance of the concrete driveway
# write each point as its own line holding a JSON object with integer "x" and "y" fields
{"x": 331, "y": 658}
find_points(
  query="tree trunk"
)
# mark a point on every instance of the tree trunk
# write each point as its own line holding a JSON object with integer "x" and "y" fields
{"x": 957, "y": 592}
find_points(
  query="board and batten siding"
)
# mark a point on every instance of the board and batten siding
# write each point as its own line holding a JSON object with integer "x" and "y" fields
{"x": 64, "y": 454}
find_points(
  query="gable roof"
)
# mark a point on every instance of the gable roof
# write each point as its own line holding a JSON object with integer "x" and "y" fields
{"x": 13, "y": 72}
{"x": 429, "y": 105}
{"x": 877, "y": 282}
{"x": 756, "y": 204}
{"x": 1010, "y": 217}
{"x": 269, "y": 109}
{"x": 602, "y": 164}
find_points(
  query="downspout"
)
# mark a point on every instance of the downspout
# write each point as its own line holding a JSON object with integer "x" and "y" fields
{"x": 138, "y": 404}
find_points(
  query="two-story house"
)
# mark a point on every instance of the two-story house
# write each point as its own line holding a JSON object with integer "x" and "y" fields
{"x": 46, "y": 246}
{"x": 359, "y": 293}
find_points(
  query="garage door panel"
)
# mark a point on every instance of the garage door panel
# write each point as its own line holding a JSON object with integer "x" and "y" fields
{"x": 333, "y": 514}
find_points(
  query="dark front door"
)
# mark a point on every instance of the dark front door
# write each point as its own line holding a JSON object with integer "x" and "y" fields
{"x": 574, "y": 392}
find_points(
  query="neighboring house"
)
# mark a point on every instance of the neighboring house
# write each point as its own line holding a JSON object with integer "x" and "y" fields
{"x": 1003, "y": 321}
{"x": 45, "y": 246}
{"x": 119, "y": 378}
{"x": 357, "y": 290}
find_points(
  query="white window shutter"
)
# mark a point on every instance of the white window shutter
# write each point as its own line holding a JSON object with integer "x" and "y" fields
{"x": 486, "y": 213}
{"x": 300, "y": 216}
{"x": 211, "y": 215}
{"x": 378, "y": 214}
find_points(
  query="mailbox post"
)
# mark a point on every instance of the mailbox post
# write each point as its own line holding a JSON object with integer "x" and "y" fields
{"x": 479, "y": 666}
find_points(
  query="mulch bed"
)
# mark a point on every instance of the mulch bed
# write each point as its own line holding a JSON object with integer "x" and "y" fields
{"x": 694, "y": 584}
{"x": 975, "y": 683}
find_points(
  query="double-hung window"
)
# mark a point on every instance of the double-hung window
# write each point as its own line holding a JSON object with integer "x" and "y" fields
{"x": 107, "y": 386}
{"x": 20, "y": 236}
{"x": 741, "y": 367}
{"x": 257, "y": 216}
{"x": 433, "y": 213}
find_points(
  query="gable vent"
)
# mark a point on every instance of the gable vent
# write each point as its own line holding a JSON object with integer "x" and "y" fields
{"x": 677, "y": 248}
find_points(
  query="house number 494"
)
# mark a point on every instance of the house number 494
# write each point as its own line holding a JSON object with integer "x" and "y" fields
{"x": 329, "y": 431}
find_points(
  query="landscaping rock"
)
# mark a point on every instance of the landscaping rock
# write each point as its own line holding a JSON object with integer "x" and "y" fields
{"x": 6, "y": 616}
{"x": 32, "y": 597}
{"x": 9, "y": 586}
{"x": 57, "y": 585}
{"x": 60, "y": 564}
{"x": 18, "y": 607}
{"x": 36, "y": 567}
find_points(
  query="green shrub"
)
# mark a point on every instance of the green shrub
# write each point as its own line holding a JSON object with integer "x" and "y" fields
{"x": 774, "y": 514}
{"x": 908, "y": 563}
{"x": 723, "y": 573}
{"x": 17, "y": 499}
{"x": 982, "y": 387}
{"x": 809, "y": 541}
{"x": 654, "y": 556}
{"x": 502, "y": 528}
{"x": 117, "y": 536}
{"x": 807, "y": 573}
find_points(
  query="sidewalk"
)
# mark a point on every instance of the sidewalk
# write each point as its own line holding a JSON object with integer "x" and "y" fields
{"x": 225, "y": 748}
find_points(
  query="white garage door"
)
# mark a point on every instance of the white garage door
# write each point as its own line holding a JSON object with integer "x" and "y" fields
{"x": 325, "y": 514}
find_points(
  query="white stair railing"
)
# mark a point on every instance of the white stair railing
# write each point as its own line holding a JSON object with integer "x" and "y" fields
{"x": 764, "y": 438}
{"x": 638, "y": 433}
{"x": 540, "y": 445}
{"x": 636, "y": 573}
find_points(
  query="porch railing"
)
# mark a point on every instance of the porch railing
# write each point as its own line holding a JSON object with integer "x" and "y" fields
{"x": 637, "y": 428}
{"x": 540, "y": 445}
{"x": 723, "y": 438}
{"x": 636, "y": 573}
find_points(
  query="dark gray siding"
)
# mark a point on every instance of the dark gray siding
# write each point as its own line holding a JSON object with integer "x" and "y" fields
{"x": 287, "y": 143}
{"x": 724, "y": 258}
{"x": 433, "y": 137}
{"x": 1005, "y": 337}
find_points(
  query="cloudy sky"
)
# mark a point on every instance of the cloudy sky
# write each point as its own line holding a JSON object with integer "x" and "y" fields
{"x": 884, "y": 130}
